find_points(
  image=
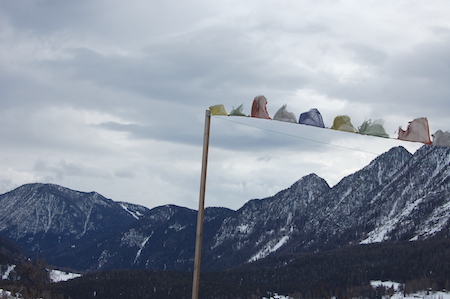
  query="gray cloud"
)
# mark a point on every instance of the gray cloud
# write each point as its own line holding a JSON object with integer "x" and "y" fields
{"x": 63, "y": 168}
{"x": 366, "y": 54}
{"x": 47, "y": 16}
{"x": 111, "y": 97}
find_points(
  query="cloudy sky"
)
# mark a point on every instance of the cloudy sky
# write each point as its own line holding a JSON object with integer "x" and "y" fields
{"x": 110, "y": 96}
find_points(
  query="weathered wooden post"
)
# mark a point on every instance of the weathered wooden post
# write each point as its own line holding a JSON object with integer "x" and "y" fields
{"x": 201, "y": 209}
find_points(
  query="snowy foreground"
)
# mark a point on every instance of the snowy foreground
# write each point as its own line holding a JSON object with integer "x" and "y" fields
{"x": 397, "y": 294}
{"x": 63, "y": 276}
{"x": 55, "y": 276}
{"x": 423, "y": 295}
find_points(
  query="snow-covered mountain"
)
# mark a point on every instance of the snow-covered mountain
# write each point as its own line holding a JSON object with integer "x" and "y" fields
{"x": 397, "y": 197}
{"x": 53, "y": 221}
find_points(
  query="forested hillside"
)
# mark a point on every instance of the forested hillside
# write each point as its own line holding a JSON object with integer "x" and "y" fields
{"x": 343, "y": 273}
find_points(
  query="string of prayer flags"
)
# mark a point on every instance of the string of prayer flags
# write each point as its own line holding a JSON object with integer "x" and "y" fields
{"x": 417, "y": 131}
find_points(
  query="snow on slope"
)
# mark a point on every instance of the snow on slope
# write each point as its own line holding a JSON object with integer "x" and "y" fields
{"x": 435, "y": 222}
{"x": 57, "y": 276}
{"x": 7, "y": 295}
{"x": 398, "y": 294}
{"x": 8, "y": 270}
{"x": 135, "y": 214}
{"x": 269, "y": 248}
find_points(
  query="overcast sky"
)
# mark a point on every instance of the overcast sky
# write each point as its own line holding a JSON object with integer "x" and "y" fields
{"x": 110, "y": 96}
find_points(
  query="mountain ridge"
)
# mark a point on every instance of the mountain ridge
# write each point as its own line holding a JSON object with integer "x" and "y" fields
{"x": 50, "y": 220}
{"x": 398, "y": 196}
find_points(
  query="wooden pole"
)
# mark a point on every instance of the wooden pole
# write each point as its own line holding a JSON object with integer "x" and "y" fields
{"x": 201, "y": 209}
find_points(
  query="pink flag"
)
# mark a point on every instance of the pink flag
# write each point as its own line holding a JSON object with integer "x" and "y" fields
{"x": 259, "y": 109}
{"x": 417, "y": 130}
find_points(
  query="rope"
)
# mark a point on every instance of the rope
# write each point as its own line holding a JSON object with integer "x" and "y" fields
{"x": 227, "y": 118}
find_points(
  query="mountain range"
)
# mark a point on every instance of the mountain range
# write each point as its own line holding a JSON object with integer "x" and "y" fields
{"x": 398, "y": 197}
